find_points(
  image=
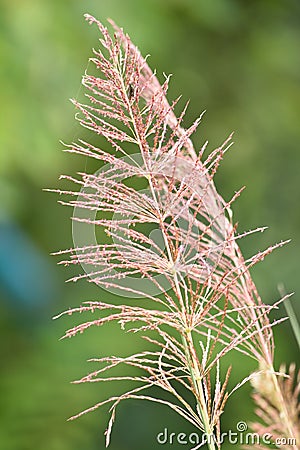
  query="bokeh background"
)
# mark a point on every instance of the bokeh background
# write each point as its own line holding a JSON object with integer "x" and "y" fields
{"x": 237, "y": 59}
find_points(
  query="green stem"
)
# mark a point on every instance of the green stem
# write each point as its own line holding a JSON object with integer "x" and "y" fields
{"x": 197, "y": 382}
{"x": 190, "y": 352}
{"x": 187, "y": 339}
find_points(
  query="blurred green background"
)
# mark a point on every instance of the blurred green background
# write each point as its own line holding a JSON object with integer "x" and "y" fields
{"x": 240, "y": 61}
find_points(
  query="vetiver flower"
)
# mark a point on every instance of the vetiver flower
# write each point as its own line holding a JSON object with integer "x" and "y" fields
{"x": 172, "y": 243}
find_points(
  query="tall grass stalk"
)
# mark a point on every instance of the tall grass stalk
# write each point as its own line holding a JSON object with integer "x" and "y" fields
{"x": 173, "y": 244}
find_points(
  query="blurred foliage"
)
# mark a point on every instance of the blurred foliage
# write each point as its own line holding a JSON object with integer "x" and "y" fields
{"x": 237, "y": 59}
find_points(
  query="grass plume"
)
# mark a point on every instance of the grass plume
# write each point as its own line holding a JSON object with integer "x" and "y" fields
{"x": 204, "y": 303}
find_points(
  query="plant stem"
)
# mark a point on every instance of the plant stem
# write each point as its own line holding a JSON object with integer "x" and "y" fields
{"x": 196, "y": 378}
{"x": 190, "y": 352}
{"x": 187, "y": 339}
